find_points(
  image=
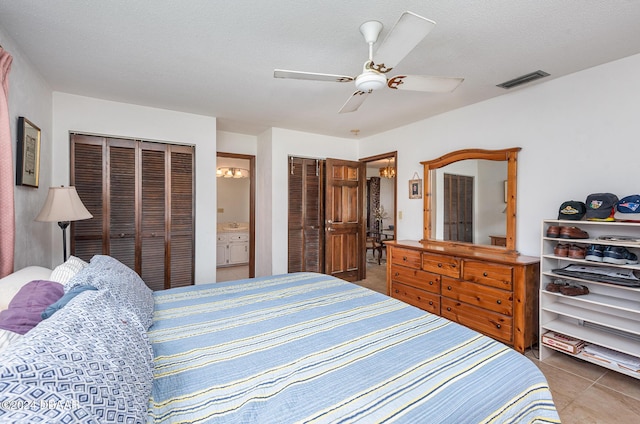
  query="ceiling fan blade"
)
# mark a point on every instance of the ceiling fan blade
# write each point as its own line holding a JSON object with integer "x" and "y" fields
{"x": 281, "y": 73}
{"x": 354, "y": 102}
{"x": 403, "y": 37}
{"x": 424, "y": 83}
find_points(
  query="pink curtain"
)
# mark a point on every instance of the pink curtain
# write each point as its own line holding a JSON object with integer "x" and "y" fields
{"x": 7, "y": 223}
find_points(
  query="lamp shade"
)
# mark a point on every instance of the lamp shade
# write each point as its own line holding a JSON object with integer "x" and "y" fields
{"x": 63, "y": 204}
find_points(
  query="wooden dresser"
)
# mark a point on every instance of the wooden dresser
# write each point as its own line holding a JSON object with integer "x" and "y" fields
{"x": 494, "y": 294}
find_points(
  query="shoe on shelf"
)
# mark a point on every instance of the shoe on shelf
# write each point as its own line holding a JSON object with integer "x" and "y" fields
{"x": 619, "y": 256}
{"x": 555, "y": 286}
{"x": 574, "y": 290}
{"x": 561, "y": 249}
{"x": 576, "y": 252}
{"x": 573, "y": 233}
{"x": 553, "y": 231}
{"x": 594, "y": 253}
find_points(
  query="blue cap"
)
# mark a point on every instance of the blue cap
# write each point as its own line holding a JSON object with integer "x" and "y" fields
{"x": 628, "y": 208}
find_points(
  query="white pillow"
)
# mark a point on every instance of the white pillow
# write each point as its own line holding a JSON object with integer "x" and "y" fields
{"x": 12, "y": 283}
{"x": 6, "y": 337}
{"x": 65, "y": 272}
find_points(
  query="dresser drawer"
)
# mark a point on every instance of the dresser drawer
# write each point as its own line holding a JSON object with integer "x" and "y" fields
{"x": 492, "y": 324}
{"x": 500, "y": 301}
{"x": 416, "y": 278}
{"x": 424, "y": 300}
{"x": 406, "y": 257}
{"x": 494, "y": 275}
{"x": 440, "y": 264}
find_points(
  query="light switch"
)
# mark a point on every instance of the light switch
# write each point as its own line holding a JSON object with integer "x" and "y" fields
{"x": 399, "y": 214}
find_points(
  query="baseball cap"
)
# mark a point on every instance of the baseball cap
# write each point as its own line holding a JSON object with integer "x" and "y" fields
{"x": 572, "y": 209}
{"x": 628, "y": 208}
{"x": 601, "y": 206}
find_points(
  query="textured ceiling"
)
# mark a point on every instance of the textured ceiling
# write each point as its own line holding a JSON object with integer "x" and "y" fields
{"x": 217, "y": 58}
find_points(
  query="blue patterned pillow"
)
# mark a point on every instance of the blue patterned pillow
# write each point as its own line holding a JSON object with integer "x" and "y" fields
{"x": 92, "y": 353}
{"x": 22, "y": 403}
{"x": 107, "y": 273}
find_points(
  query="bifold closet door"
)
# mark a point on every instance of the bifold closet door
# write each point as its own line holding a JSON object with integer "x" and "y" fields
{"x": 153, "y": 217}
{"x": 306, "y": 216}
{"x": 182, "y": 224}
{"x": 141, "y": 196}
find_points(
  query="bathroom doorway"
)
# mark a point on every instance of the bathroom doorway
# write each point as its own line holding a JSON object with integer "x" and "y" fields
{"x": 235, "y": 237}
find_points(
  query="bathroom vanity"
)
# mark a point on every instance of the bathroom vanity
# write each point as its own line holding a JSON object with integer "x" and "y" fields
{"x": 232, "y": 245}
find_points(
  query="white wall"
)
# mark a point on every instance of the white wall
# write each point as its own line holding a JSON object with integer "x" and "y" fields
{"x": 264, "y": 204}
{"x": 236, "y": 143}
{"x": 30, "y": 96}
{"x": 579, "y": 135}
{"x": 89, "y": 115}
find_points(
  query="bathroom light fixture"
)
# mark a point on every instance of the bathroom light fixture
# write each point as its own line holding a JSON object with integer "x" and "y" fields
{"x": 228, "y": 172}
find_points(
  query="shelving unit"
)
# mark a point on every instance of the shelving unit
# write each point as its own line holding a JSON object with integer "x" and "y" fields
{"x": 609, "y": 316}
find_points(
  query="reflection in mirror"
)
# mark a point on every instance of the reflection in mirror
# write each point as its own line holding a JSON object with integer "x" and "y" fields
{"x": 470, "y": 202}
{"x": 470, "y": 199}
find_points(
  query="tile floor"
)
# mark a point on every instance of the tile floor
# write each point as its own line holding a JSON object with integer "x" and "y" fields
{"x": 583, "y": 392}
{"x": 229, "y": 273}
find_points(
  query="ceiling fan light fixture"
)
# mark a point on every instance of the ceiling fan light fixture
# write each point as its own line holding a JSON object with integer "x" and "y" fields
{"x": 370, "y": 80}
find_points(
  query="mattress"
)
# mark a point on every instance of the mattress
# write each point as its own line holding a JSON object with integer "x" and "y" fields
{"x": 308, "y": 347}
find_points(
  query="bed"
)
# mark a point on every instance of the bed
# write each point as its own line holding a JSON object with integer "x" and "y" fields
{"x": 300, "y": 347}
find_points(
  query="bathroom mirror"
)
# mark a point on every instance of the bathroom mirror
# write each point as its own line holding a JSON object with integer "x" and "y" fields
{"x": 470, "y": 199}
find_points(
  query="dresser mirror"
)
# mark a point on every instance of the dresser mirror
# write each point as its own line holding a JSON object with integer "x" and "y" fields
{"x": 470, "y": 199}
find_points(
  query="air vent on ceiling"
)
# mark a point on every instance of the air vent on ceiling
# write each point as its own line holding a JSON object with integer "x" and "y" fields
{"x": 523, "y": 79}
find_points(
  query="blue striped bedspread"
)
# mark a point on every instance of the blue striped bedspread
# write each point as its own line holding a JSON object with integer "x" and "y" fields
{"x": 310, "y": 348}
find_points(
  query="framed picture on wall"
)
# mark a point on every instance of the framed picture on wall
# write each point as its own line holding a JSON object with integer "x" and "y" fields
{"x": 415, "y": 189}
{"x": 28, "y": 160}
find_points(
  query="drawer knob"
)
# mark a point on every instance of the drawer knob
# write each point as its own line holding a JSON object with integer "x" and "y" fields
{"x": 397, "y": 291}
{"x": 439, "y": 265}
{"x": 419, "y": 298}
{"x": 404, "y": 258}
{"x": 499, "y": 302}
{"x": 449, "y": 308}
{"x": 431, "y": 302}
{"x": 431, "y": 283}
{"x": 121, "y": 235}
{"x": 449, "y": 287}
{"x": 498, "y": 326}
{"x": 484, "y": 274}
{"x": 397, "y": 273}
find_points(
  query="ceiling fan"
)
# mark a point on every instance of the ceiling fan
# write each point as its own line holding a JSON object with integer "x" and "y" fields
{"x": 403, "y": 37}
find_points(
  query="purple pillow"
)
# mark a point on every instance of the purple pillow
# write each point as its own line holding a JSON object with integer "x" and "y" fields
{"x": 26, "y": 307}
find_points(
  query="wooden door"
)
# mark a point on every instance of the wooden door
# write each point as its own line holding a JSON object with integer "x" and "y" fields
{"x": 344, "y": 219}
{"x": 121, "y": 195}
{"x": 182, "y": 224}
{"x": 88, "y": 170}
{"x": 458, "y": 208}
{"x": 306, "y": 215}
{"x": 153, "y": 217}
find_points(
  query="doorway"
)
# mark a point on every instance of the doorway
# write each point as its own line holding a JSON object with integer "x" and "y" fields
{"x": 380, "y": 207}
{"x": 235, "y": 235}
{"x": 325, "y": 221}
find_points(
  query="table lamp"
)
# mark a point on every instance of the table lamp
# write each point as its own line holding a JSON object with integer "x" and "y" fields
{"x": 63, "y": 205}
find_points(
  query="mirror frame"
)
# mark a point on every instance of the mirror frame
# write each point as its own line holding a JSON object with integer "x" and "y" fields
{"x": 511, "y": 157}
